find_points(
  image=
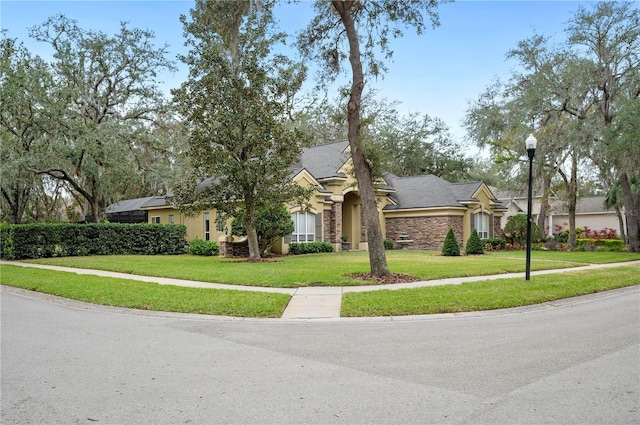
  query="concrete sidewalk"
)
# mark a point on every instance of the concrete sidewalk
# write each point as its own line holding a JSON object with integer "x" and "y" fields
{"x": 314, "y": 302}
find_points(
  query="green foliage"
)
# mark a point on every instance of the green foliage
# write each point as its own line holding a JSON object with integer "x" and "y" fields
{"x": 236, "y": 103}
{"x": 516, "y": 229}
{"x": 593, "y": 244}
{"x": 199, "y": 246}
{"x": 474, "y": 245}
{"x": 494, "y": 244}
{"x": 237, "y": 228}
{"x": 102, "y": 111}
{"x": 270, "y": 224}
{"x": 388, "y": 244}
{"x": 450, "y": 248}
{"x": 20, "y": 241}
{"x": 24, "y": 86}
{"x": 297, "y": 248}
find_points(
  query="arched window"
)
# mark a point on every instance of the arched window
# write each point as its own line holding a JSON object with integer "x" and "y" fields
{"x": 304, "y": 227}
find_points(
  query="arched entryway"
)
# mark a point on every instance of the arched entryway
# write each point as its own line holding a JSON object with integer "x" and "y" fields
{"x": 352, "y": 219}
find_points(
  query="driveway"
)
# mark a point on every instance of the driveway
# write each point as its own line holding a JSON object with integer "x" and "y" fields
{"x": 572, "y": 361}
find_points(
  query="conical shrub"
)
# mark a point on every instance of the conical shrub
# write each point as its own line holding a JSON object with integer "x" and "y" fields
{"x": 474, "y": 244}
{"x": 451, "y": 248}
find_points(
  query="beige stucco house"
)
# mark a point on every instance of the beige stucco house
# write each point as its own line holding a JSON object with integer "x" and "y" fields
{"x": 422, "y": 207}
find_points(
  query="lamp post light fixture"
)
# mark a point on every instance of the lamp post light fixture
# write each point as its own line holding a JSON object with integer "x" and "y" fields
{"x": 531, "y": 143}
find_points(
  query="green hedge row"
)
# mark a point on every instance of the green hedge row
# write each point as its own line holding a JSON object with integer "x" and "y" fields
{"x": 591, "y": 244}
{"x": 20, "y": 241}
{"x": 296, "y": 248}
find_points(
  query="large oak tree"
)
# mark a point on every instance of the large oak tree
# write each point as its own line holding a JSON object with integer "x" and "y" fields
{"x": 359, "y": 31}
{"x": 235, "y": 104}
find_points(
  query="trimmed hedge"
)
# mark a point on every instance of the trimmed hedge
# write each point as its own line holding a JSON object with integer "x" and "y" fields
{"x": 494, "y": 244}
{"x": 297, "y": 248}
{"x": 592, "y": 244}
{"x": 21, "y": 241}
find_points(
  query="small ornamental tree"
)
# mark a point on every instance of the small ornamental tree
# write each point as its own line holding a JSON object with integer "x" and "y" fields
{"x": 451, "y": 248}
{"x": 474, "y": 244}
{"x": 270, "y": 224}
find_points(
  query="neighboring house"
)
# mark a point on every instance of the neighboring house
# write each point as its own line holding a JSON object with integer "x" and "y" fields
{"x": 422, "y": 207}
{"x": 590, "y": 212}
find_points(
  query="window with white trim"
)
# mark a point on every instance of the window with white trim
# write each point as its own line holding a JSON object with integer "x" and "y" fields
{"x": 171, "y": 219}
{"x": 207, "y": 221}
{"x": 303, "y": 227}
{"x": 155, "y": 219}
{"x": 481, "y": 224}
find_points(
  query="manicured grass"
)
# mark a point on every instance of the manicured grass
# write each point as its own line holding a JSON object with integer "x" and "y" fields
{"x": 487, "y": 295}
{"x": 330, "y": 269}
{"x": 143, "y": 295}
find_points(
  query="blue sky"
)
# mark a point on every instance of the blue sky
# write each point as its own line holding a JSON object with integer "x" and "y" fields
{"x": 437, "y": 73}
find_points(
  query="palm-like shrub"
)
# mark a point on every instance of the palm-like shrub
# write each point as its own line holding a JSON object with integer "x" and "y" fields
{"x": 474, "y": 244}
{"x": 451, "y": 248}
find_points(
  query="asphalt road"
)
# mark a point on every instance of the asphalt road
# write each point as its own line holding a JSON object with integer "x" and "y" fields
{"x": 570, "y": 362}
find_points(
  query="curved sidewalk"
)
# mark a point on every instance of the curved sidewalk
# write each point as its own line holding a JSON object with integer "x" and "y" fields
{"x": 313, "y": 302}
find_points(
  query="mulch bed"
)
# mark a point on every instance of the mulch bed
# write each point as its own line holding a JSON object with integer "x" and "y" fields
{"x": 385, "y": 280}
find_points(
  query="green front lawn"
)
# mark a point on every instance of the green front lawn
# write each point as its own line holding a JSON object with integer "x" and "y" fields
{"x": 326, "y": 269}
{"x": 488, "y": 295}
{"x": 330, "y": 269}
{"x": 143, "y": 295}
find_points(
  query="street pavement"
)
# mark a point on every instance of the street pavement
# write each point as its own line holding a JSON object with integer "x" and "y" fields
{"x": 574, "y": 361}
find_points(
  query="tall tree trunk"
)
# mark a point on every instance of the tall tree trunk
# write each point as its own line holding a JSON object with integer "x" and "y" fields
{"x": 631, "y": 210}
{"x": 573, "y": 200}
{"x": 621, "y": 221}
{"x": 544, "y": 203}
{"x": 17, "y": 201}
{"x": 377, "y": 255}
{"x": 252, "y": 239}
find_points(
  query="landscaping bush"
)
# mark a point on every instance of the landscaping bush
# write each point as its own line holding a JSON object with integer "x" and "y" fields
{"x": 474, "y": 245}
{"x": 494, "y": 244}
{"x": 297, "y": 248}
{"x": 516, "y": 230}
{"x": 199, "y": 246}
{"x": 388, "y": 244}
{"x": 20, "y": 241}
{"x": 270, "y": 224}
{"x": 451, "y": 248}
{"x": 593, "y": 244}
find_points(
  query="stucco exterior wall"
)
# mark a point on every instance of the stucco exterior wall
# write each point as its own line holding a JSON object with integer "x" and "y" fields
{"x": 195, "y": 224}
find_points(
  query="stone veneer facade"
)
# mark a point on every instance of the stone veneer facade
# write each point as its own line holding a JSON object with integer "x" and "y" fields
{"x": 332, "y": 223}
{"x": 425, "y": 232}
{"x": 234, "y": 249}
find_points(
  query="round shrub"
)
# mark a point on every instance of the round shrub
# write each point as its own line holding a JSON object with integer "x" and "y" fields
{"x": 388, "y": 244}
{"x": 451, "y": 248}
{"x": 474, "y": 245}
{"x": 199, "y": 246}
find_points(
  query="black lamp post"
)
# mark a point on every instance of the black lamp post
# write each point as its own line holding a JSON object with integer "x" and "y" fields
{"x": 531, "y": 152}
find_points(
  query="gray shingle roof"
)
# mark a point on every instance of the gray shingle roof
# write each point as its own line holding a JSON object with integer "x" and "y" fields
{"x": 324, "y": 161}
{"x": 428, "y": 191}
